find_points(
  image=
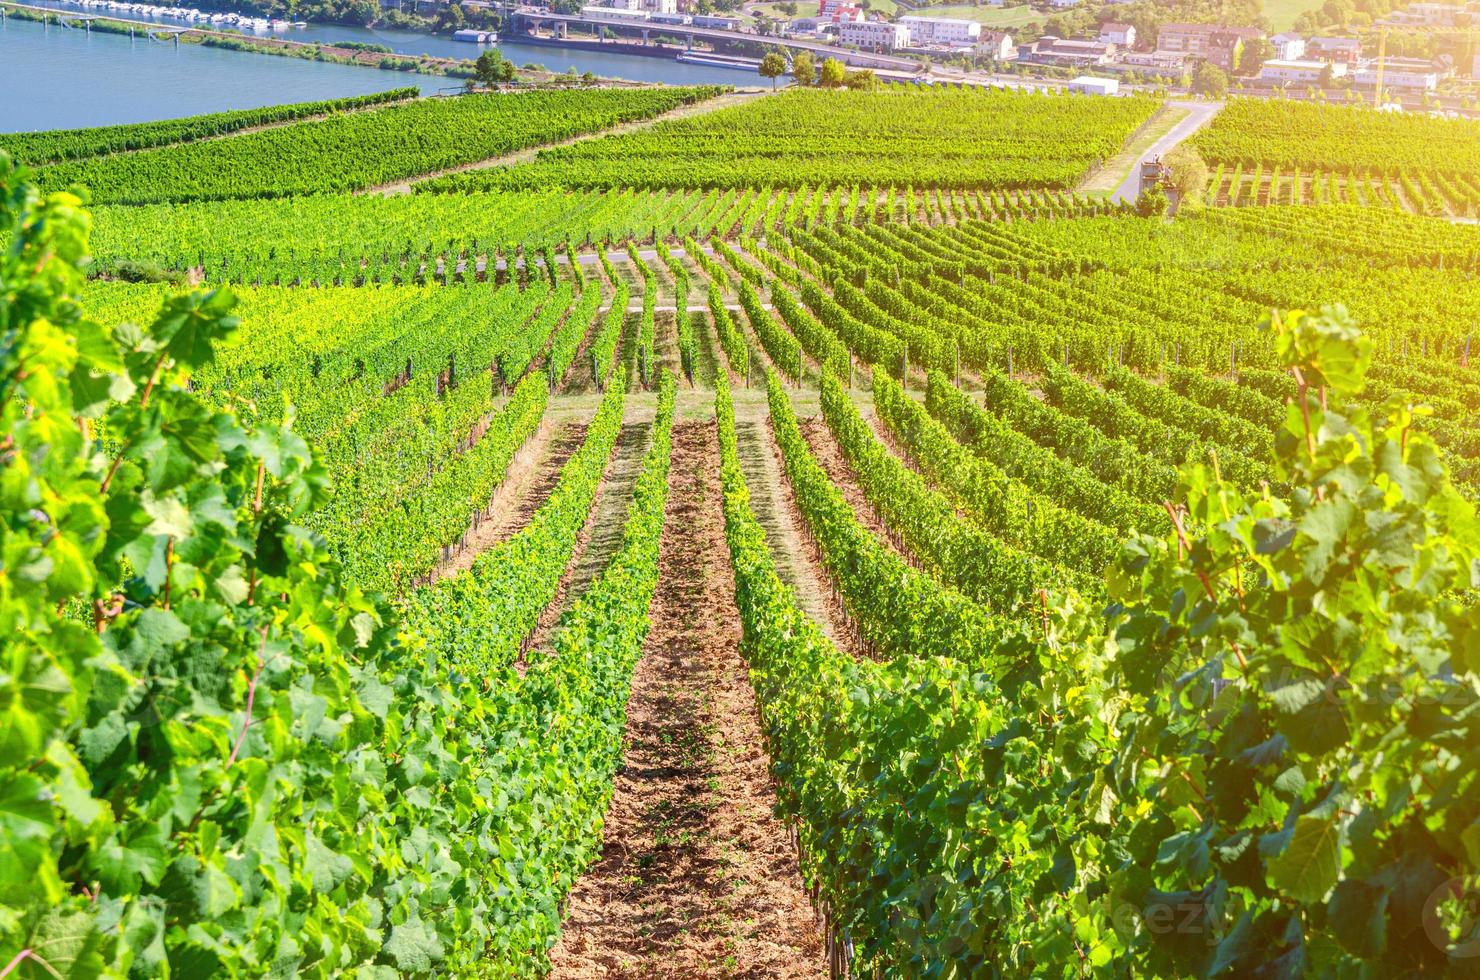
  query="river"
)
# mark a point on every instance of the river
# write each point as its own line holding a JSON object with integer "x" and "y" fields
{"x": 58, "y": 78}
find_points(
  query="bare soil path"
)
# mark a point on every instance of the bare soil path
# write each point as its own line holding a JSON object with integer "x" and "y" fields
{"x": 526, "y": 486}
{"x": 797, "y": 561}
{"x": 697, "y": 877}
{"x": 601, "y": 535}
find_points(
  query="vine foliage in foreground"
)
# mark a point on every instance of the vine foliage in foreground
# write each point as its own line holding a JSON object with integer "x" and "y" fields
{"x": 1293, "y": 785}
{"x": 215, "y": 759}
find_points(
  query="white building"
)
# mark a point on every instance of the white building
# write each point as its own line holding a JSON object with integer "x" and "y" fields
{"x": 1093, "y": 85}
{"x": 996, "y": 44}
{"x": 875, "y": 35}
{"x": 1300, "y": 72}
{"x": 1120, "y": 35}
{"x": 1061, "y": 4}
{"x": 1288, "y": 46}
{"x": 941, "y": 30}
{"x": 660, "y": 6}
{"x": 1400, "y": 73}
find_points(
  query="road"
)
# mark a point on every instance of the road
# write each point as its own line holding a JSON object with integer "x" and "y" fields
{"x": 1199, "y": 114}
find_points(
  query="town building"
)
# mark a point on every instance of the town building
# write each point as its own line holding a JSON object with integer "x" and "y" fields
{"x": 660, "y": 6}
{"x": 1475, "y": 66}
{"x": 1432, "y": 15}
{"x": 1288, "y": 46}
{"x": 1050, "y": 50}
{"x": 874, "y": 35}
{"x": 1289, "y": 71}
{"x": 1344, "y": 49}
{"x": 1216, "y": 43}
{"x": 1063, "y": 4}
{"x": 996, "y": 44}
{"x": 1091, "y": 85}
{"x": 1120, "y": 35}
{"x": 941, "y": 31}
{"x": 1411, "y": 74}
{"x": 1158, "y": 61}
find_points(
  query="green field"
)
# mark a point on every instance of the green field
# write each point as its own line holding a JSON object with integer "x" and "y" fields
{"x": 1282, "y": 13}
{"x": 998, "y": 17}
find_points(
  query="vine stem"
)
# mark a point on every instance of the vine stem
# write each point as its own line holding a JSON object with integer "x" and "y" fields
{"x": 251, "y": 697}
{"x": 28, "y": 954}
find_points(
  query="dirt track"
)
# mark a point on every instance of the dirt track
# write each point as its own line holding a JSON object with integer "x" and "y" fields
{"x": 696, "y": 876}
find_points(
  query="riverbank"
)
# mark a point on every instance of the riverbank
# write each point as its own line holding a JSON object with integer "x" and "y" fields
{"x": 281, "y": 47}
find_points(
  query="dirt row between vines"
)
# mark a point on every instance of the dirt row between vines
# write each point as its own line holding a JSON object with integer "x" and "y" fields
{"x": 696, "y": 876}
{"x": 530, "y": 480}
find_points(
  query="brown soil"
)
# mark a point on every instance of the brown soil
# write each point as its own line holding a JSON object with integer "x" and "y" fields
{"x": 826, "y": 607}
{"x": 601, "y": 535}
{"x": 526, "y": 486}
{"x": 826, "y": 451}
{"x": 697, "y": 878}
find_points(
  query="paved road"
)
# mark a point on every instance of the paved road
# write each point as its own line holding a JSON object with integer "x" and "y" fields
{"x": 1199, "y": 114}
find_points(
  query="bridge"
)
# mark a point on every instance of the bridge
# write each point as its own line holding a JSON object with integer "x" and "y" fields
{"x": 533, "y": 19}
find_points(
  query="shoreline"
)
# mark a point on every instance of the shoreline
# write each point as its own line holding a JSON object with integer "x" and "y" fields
{"x": 430, "y": 65}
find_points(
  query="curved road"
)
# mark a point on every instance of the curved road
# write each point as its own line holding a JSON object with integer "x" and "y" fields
{"x": 1199, "y": 114}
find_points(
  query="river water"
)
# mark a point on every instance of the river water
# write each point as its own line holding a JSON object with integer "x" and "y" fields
{"x": 56, "y": 78}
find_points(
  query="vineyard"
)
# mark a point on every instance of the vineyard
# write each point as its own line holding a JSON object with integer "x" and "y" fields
{"x": 1284, "y": 152}
{"x": 982, "y": 140}
{"x": 357, "y": 150}
{"x": 851, "y": 572}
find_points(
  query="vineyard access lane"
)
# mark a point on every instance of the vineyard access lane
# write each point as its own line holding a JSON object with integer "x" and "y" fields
{"x": 697, "y": 877}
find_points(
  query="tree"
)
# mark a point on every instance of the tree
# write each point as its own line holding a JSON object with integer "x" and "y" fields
{"x": 1152, "y": 202}
{"x": 832, "y": 73}
{"x": 1327, "y": 76}
{"x": 490, "y": 67}
{"x": 773, "y": 66}
{"x": 588, "y": 78}
{"x": 863, "y": 79}
{"x": 803, "y": 69}
{"x": 1209, "y": 80}
{"x": 1253, "y": 56}
{"x": 1188, "y": 174}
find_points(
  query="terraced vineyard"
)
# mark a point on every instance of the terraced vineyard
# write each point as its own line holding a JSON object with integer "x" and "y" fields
{"x": 849, "y": 577}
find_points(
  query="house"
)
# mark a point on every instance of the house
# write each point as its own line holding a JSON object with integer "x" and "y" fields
{"x": 1288, "y": 46}
{"x": 1050, "y": 50}
{"x": 1216, "y": 43}
{"x": 660, "y": 6}
{"x": 945, "y": 31}
{"x": 1287, "y": 71}
{"x": 1412, "y": 74}
{"x": 1344, "y": 49}
{"x": 997, "y": 45}
{"x": 1118, "y": 34}
{"x": 1063, "y": 4}
{"x": 1475, "y": 66}
{"x": 840, "y": 12}
{"x": 874, "y": 35}
{"x": 1091, "y": 85}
